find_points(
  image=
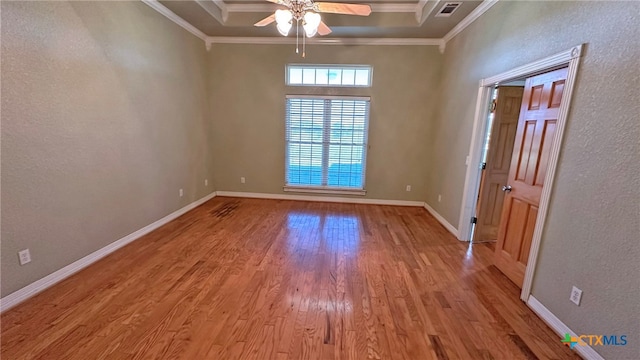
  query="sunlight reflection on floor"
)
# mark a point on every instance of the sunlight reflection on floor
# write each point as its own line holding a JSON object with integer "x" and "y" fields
{"x": 335, "y": 233}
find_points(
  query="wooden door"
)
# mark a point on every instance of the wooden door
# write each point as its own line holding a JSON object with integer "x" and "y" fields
{"x": 529, "y": 160}
{"x": 496, "y": 170}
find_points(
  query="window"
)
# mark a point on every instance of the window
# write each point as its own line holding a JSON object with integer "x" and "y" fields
{"x": 327, "y": 75}
{"x": 326, "y": 143}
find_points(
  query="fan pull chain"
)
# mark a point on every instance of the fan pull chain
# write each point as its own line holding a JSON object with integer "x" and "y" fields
{"x": 297, "y": 32}
{"x": 304, "y": 46}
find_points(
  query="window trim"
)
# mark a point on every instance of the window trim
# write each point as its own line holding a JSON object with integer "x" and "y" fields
{"x": 334, "y": 190}
{"x": 324, "y": 190}
{"x": 329, "y": 66}
{"x": 330, "y": 97}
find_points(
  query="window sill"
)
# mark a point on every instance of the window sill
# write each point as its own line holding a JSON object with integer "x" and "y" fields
{"x": 323, "y": 190}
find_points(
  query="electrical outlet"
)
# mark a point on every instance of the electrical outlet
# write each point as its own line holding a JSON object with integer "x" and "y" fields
{"x": 439, "y": 198}
{"x": 408, "y": 187}
{"x": 242, "y": 180}
{"x": 576, "y": 295}
{"x": 206, "y": 182}
{"x": 24, "y": 256}
{"x": 181, "y": 192}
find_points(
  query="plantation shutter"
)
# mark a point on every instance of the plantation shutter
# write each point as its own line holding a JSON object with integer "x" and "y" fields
{"x": 326, "y": 142}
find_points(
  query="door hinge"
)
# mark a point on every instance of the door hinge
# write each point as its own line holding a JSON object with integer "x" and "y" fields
{"x": 474, "y": 220}
{"x": 483, "y": 166}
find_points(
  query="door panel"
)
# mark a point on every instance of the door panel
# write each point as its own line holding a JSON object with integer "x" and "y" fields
{"x": 503, "y": 134}
{"x": 535, "y": 132}
{"x": 556, "y": 94}
{"x": 528, "y": 235}
{"x": 515, "y": 227}
{"x": 549, "y": 133}
{"x": 536, "y": 96}
{"x": 506, "y": 136}
{"x": 524, "y": 156}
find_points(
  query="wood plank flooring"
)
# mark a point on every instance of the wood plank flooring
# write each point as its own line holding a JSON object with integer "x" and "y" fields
{"x": 267, "y": 279}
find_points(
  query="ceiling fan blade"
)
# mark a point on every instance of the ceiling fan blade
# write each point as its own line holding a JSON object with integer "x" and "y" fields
{"x": 266, "y": 21}
{"x": 274, "y": 1}
{"x": 323, "y": 29}
{"x": 340, "y": 8}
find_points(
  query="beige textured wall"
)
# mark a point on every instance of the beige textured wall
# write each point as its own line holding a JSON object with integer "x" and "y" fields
{"x": 591, "y": 238}
{"x": 103, "y": 120}
{"x": 248, "y": 99}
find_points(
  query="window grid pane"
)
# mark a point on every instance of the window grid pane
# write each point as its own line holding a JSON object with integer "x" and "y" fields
{"x": 327, "y": 75}
{"x": 326, "y": 142}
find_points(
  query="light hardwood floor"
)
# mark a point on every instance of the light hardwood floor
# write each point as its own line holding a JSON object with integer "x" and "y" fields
{"x": 267, "y": 279}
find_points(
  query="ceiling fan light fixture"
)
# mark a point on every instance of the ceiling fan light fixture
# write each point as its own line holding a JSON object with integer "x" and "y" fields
{"x": 283, "y": 21}
{"x": 311, "y": 23}
{"x": 284, "y": 28}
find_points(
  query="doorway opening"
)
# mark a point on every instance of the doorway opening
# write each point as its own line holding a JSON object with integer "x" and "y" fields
{"x": 480, "y": 153}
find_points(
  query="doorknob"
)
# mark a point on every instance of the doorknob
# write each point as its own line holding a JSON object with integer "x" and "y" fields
{"x": 506, "y": 188}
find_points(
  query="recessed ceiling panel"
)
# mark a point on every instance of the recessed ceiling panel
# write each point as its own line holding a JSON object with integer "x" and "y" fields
{"x": 389, "y": 19}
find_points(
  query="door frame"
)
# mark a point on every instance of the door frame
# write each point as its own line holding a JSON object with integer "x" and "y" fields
{"x": 569, "y": 58}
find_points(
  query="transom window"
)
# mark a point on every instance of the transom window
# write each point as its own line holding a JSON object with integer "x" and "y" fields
{"x": 329, "y": 75}
{"x": 326, "y": 143}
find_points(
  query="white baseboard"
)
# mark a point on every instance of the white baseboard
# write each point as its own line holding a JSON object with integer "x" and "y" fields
{"x": 30, "y": 290}
{"x": 442, "y": 220}
{"x": 560, "y": 328}
{"x": 319, "y": 198}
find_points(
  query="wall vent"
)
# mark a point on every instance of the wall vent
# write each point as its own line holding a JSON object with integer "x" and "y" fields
{"x": 448, "y": 9}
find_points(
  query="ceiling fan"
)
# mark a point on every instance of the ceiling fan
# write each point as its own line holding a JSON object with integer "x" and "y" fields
{"x": 306, "y": 12}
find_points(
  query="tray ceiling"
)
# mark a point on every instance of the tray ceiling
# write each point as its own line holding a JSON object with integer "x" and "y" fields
{"x": 389, "y": 19}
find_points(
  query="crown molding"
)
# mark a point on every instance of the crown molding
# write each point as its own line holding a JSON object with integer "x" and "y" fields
{"x": 393, "y": 8}
{"x": 213, "y": 10}
{"x": 226, "y": 8}
{"x": 223, "y": 8}
{"x": 154, "y": 4}
{"x": 476, "y": 13}
{"x": 419, "y": 7}
{"x": 317, "y": 41}
{"x": 267, "y": 7}
{"x": 424, "y": 9}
